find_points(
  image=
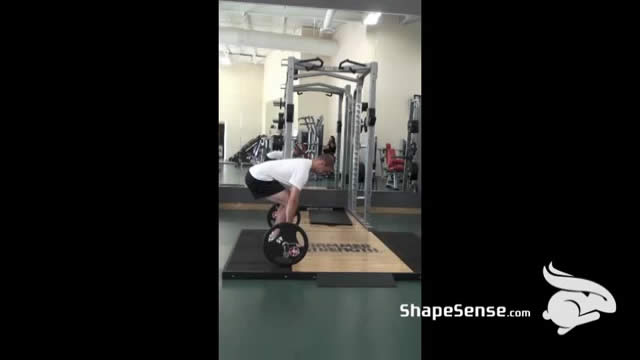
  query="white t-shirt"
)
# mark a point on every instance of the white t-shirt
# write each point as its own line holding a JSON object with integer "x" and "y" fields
{"x": 288, "y": 172}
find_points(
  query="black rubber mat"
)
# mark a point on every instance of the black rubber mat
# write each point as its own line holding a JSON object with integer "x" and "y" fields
{"x": 247, "y": 258}
{"x": 406, "y": 246}
{"x": 329, "y": 217}
{"x": 370, "y": 280}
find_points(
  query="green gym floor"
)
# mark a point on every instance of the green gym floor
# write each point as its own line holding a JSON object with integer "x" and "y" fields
{"x": 295, "y": 319}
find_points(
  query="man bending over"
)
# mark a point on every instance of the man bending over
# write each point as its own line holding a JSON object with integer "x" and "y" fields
{"x": 281, "y": 181}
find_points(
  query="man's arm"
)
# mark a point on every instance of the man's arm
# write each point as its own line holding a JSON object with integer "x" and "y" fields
{"x": 292, "y": 204}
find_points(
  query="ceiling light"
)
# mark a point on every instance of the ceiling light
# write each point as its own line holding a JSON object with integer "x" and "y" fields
{"x": 372, "y": 18}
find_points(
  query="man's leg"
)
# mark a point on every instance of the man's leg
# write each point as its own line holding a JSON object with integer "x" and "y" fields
{"x": 281, "y": 214}
{"x": 281, "y": 199}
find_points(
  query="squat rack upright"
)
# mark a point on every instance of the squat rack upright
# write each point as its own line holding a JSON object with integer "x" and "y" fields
{"x": 350, "y": 147}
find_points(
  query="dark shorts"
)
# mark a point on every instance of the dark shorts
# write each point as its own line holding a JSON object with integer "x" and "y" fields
{"x": 261, "y": 189}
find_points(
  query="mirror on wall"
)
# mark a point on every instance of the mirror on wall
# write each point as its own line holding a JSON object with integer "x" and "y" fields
{"x": 309, "y": 140}
{"x": 254, "y": 148}
{"x": 397, "y": 155}
{"x": 397, "y": 159}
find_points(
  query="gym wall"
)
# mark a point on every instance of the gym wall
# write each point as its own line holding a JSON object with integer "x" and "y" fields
{"x": 240, "y": 105}
{"x": 398, "y": 52}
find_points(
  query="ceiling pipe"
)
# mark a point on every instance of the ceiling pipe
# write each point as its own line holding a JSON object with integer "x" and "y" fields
{"x": 268, "y": 40}
{"x": 326, "y": 25}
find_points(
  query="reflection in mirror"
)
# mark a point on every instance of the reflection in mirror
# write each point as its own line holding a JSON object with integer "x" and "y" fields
{"x": 399, "y": 159}
{"x": 308, "y": 139}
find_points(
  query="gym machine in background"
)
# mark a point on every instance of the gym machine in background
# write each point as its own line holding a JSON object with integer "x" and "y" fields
{"x": 253, "y": 152}
{"x": 349, "y": 147}
{"x": 410, "y": 176}
{"x": 256, "y": 150}
{"x": 310, "y": 141}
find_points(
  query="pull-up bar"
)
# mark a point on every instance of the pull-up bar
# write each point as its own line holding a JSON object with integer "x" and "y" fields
{"x": 321, "y": 73}
{"x": 336, "y": 88}
{"x": 316, "y": 89}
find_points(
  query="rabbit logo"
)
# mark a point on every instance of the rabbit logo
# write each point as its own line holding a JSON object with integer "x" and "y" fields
{"x": 578, "y": 302}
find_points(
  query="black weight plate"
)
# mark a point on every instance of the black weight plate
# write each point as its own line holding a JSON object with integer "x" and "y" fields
{"x": 286, "y": 250}
{"x": 270, "y": 215}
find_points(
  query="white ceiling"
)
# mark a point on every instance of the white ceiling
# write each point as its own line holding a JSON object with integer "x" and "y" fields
{"x": 278, "y": 19}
